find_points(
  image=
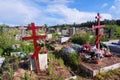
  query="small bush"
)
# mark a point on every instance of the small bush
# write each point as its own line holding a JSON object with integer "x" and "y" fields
{"x": 83, "y": 39}
{"x": 73, "y": 59}
{"x": 60, "y": 61}
{"x": 51, "y": 56}
{"x": 1, "y": 51}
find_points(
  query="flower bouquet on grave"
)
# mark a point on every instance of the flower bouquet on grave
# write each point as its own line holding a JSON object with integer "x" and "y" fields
{"x": 108, "y": 53}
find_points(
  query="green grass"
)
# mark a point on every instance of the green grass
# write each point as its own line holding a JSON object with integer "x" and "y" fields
{"x": 108, "y": 75}
{"x": 61, "y": 62}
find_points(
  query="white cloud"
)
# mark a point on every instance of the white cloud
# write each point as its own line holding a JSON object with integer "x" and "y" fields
{"x": 72, "y": 15}
{"x": 25, "y": 11}
{"x": 112, "y": 7}
{"x": 55, "y": 1}
{"x": 104, "y": 5}
{"x": 115, "y": 9}
{"x": 16, "y": 11}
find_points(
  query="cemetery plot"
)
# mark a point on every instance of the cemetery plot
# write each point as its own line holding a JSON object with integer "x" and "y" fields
{"x": 107, "y": 63}
{"x": 61, "y": 71}
{"x": 78, "y": 56}
{"x": 20, "y": 70}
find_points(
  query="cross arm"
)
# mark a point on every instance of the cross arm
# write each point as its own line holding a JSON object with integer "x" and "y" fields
{"x": 27, "y": 38}
{"x": 43, "y": 36}
{"x": 30, "y": 28}
{"x": 101, "y": 26}
{"x": 30, "y": 38}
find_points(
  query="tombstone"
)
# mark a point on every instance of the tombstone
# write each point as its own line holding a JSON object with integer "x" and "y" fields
{"x": 74, "y": 30}
{"x": 15, "y": 46}
{"x": 20, "y": 54}
{"x": 46, "y": 29}
{"x": 102, "y": 31}
{"x": 2, "y": 59}
{"x": 49, "y": 36}
{"x": 22, "y": 30}
{"x": 70, "y": 31}
{"x": 64, "y": 39}
{"x": 59, "y": 33}
{"x": 58, "y": 30}
{"x": 17, "y": 37}
{"x": 52, "y": 30}
{"x": 64, "y": 32}
{"x": 14, "y": 54}
{"x": 42, "y": 59}
{"x": 32, "y": 62}
{"x": 111, "y": 32}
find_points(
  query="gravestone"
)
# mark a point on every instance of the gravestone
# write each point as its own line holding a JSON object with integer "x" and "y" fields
{"x": 70, "y": 31}
{"x": 42, "y": 59}
{"x": 17, "y": 37}
{"x": 59, "y": 33}
{"x": 58, "y": 29}
{"x": 22, "y": 30}
{"x": 74, "y": 30}
{"x": 64, "y": 32}
{"x": 111, "y": 32}
{"x": 102, "y": 31}
{"x": 49, "y": 36}
{"x": 46, "y": 29}
{"x": 32, "y": 62}
{"x": 2, "y": 59}
{"x": 64, "y": 39}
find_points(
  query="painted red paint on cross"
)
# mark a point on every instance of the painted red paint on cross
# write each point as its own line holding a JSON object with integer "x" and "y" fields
{"x": 34, "y": 37}
{"x": 98, "y": 27}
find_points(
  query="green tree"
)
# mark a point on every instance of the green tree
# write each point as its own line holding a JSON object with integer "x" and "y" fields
{"x": 6, "y": 38}
{"x": 116, "y": 30}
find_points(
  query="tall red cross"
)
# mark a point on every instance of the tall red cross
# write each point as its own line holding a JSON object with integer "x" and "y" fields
{"x": 98, "y": 27}
{"x": 37, "y": 48}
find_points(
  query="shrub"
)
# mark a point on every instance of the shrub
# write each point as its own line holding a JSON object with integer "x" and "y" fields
{"x": 83, "y": 39}
{"x": 51, "y": 56}
{"x": 73, "y": 59}
{"x": 1, "y": 51}
{"x": 60, "y": 61}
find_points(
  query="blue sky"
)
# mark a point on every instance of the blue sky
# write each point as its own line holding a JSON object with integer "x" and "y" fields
{"x": 52, "y": 12}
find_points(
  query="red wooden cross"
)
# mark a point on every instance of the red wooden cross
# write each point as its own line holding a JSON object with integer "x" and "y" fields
{"x": 34, "y": 37}
{"x": 97, "y": 42}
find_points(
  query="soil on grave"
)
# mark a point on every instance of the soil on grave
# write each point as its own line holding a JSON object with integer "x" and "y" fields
{"x": 61, "y": 71}
{"x": 106, "y": 61}
{"x": 19, "y": 74}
